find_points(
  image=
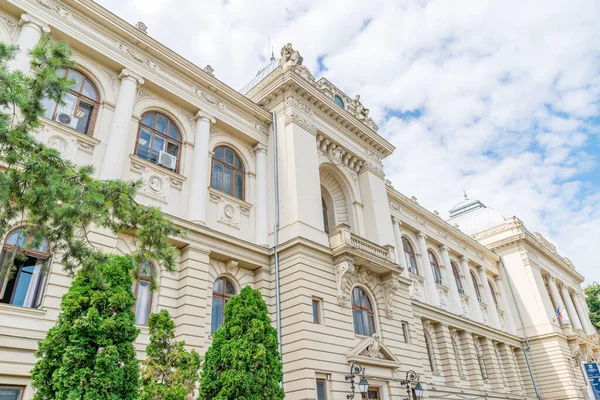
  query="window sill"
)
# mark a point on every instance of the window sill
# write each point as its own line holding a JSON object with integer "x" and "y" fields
{"x": 18, "y": 310}
{"x": 84, "y": 141}
{"x": 138, "y": 164}
{"x": 216, "y": 194}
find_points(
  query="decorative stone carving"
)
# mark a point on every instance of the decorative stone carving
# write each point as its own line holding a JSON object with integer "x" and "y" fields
{"x": 10, "y": 23}
{"x": 156, "y": 184}
{"x": 390, "y": 287}
{"x": 417, "y": 288}
{"x": 373, "y": 349}
{"x": 343, "y": 267}
{"x": 289, "y": 56}
{"x": 142, "y": 27}
{"x": 465, "y": 306}
{"x": 143, "y": 94}
{"x": 58, "y": 143}
{"x": 112, "y": 77}
{"x": 443, "y": 295}
{"x": 337, "y": 154}
{"x": 209, "y": 97}
{"x": 137, "y": 56}
{"x": 209, "y": 70}
{"x": 51, "y": 6}
{"x": 229, "y": 211}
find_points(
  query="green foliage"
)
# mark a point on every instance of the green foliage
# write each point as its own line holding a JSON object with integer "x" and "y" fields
{"x": 59, "y": 199}
{"x": 243, "y": 362}
{"x": 89, "y": 353}
{"x": 170, "y": 371}
{"x": 592, "y": 297}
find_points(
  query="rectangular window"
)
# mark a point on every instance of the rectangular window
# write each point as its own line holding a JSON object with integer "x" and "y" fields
{"x": 405, "y": 332}
{"x": 482, "y": 368}
{"x": 321, "y": 389}
{"x": 316, "y": 310}
{"x": 11, "y": 393}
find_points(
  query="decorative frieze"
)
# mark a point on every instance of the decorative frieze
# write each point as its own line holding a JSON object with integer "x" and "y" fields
{"x": 338, "y": 155}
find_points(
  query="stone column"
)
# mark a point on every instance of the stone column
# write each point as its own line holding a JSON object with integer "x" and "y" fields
{"x": 376, "y": 209}
{"x": 430, "y": 287}
{"x": 587, "y": 310}
{"x": 116, "y": 144}
{"x": 558, "y": 301}
{"x": 400, "y": 257}
{"x": 260, "y": 204}
{"x": 583, "y": 317}
{"x": 570, "y": 308}
{"x": 454, "y": 296}
{"x": 470, "y": 290}
{"x": 200, "y": 170}
{"x": 508, "y": 316}
{"x": 491, "y": 306}
{"x": 32, "y": 30}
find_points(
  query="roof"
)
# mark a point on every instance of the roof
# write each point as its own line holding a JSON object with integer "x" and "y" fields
{"x": 260, "y": 75}
{"x": 472, "y": 216}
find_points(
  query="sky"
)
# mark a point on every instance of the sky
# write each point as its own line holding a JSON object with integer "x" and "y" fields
{"x": 500, "y": 98}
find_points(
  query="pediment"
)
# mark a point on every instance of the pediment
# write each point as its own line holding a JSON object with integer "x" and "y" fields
{"x": 373, "y": 351}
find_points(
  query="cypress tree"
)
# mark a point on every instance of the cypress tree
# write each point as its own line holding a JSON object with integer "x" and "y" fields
{"x": 89, "y": 353}
{"x": 170, "y": 372}
{"x": 243, "y": 362}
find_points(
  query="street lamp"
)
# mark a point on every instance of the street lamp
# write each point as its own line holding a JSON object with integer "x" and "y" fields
{"x": 411, "y": 377}
{"x": 363, "y": 385}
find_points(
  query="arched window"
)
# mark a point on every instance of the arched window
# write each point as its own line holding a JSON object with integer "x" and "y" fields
{"x": 457, "y": 277}
{"x": 409, "y": 254}
{"x": 494, "y": 298}
{"x": 457, "y": 354}
{"x": 476, "y": 286}
{"x": 159, "y": 141}
{"x": 325, "y": 217}
{"x": 228, "y": 172}
{"x": 480, "y": 359}
{"x": 429, "y": 347}
{"x": 362, "y": 313}
{"x": 143, "y": 295}
{"x": 339, "y": 101}
{"x": 223, "y": 289}
{"x": 80, "y": 106}
{"x": 21, "y": 278}
{"x": 435, "y": 266}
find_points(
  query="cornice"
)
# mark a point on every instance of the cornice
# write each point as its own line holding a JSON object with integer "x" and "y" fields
{"x": 439, "y": 315}
{"x": 529, "y": 239}
{"x": 144, "y": 50}
{"x": 443, "y": 228}
{"x": 288, "y": 80}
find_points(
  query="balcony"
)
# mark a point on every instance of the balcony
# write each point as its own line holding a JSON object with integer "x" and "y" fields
{"x": 377, "y": 258}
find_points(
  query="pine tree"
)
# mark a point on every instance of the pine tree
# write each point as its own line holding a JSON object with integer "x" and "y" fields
{"x": 60, "y": 200}
{"x": 89, "y": 353}
{"x": 592, "y": 297}
{"x": 243, "y": 362}
{"x": 170, "y": 372}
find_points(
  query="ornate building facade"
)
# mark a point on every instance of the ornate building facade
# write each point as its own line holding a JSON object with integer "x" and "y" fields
{"x": 366, "y": 274}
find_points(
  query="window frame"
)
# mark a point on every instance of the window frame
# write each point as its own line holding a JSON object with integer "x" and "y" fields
{"x": 435, "y": 268}
{"x": 221, "y": 295}
{"x": 430, "y": 350}
{"x": 164, "y": 136}
{"x": 324, "y": 381}
{"x": 476, "y": 286}
{"x": 455, "y": 338}
{"x": 368, "y": 309}
{"x": 78, "y": 95}
{"x": 316, "y": 307}
{"x": 410, "y": 256}
{"x": 234, "y": 169}
{"x": 457, "y": 279}
{"x": 339, "y": 101}
{"x": 21, "y": 390}
{"x": 493, "y": 293}
{"x": 41, "y": 261}
{"x": 405, "y": 331}
{"x": 145, "y": 279}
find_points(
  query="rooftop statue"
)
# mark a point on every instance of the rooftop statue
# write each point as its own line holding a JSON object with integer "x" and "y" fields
{"x": 289, "y": 56}
{"x": 360, "y": 111}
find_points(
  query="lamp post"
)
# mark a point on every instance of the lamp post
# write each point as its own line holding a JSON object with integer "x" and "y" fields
{"x": 411, "y": 377}
{"x": 363, "y": 385}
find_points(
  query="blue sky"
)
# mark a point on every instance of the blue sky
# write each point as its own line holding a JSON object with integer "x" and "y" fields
{"x": 499, "y": 97}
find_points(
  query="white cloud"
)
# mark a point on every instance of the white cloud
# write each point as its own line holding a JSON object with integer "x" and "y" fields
{"x": 505, "y": 88}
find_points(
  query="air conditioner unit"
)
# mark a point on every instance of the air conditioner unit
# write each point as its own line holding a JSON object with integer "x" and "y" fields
{"x": 67, "y": 119}
{"x": 167, "y": 160}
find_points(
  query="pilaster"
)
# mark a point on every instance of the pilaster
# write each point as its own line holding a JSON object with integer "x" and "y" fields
{"x": 198, "y": 193}
{"x": 470, "y": 289}
{"x": 430, "y": 288}
{"x": 447, "y": 356}
{"x": 473, "y": 371}
{"x": 455, "y": 302}
{"x": 491, "y": 362}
